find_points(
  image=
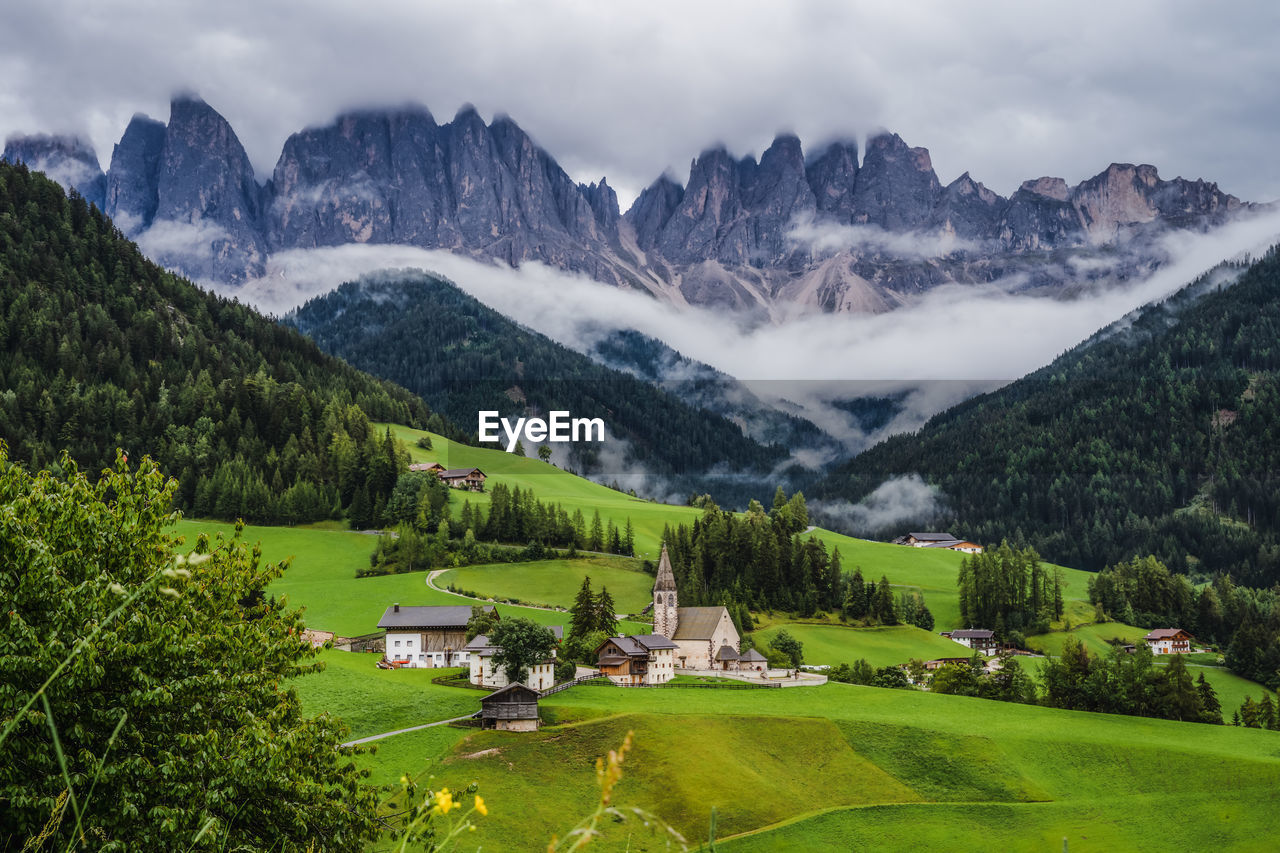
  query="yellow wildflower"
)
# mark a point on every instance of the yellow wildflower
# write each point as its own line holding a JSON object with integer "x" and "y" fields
{"x": 444, "y": 801}
{"x": 480, "y": 806}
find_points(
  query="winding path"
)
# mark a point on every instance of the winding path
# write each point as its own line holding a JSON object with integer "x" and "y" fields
{"x": 435, "y": 573}
{"x": 371, "y": 738}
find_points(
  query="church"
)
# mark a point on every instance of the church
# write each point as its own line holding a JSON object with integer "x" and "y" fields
{"x": 705, "y": 637}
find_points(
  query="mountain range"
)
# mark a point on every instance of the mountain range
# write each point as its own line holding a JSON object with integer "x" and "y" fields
{"x": 828, "y": 229}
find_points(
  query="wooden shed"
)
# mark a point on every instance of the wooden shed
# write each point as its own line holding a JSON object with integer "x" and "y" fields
{"x": 514, "y": 708}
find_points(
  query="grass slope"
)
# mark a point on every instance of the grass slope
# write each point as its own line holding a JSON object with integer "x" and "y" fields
{"x": 556, "y": 582}
{"x": 979, "y": 775}
{"x": 322, "y": 578}
{"x": 884, "y": 646}
{"x": 372, "y": 700}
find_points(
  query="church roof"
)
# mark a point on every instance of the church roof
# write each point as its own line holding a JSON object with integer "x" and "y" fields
{"x": 697, "y": 623}
{"x": 666, "y": 581}
{"x": 726, "y": 653}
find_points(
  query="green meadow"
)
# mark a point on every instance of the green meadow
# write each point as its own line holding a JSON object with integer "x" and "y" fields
{"x": 882, "y": 646}
{"x": 1095, "y": 637}
{"x": 321, "y": 578}
{"x": 371, "y": 700}
{"x": 551, "y": 583}
{"x": 841, "y": 767}
{"x": 836, "y": 767}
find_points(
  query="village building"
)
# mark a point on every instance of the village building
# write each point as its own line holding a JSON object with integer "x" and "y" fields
{"x": 641, "y": 659}
{"x": 427, "y": 637}
{"x": 1169, "y": 641}
{"x": 698, "y": 632}
{"x": 427, "y": 468}
{"x": 752, "y": 661}
{"x": 514, "y": 708}
{"x": 471, "y": 479}
{"x": 939, "y": 540}
{"x": 480, "y": 652}
{"x": 979, "y": 639}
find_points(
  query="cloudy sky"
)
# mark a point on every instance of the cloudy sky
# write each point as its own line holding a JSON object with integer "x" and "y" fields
{"x": 1007, "y": 90}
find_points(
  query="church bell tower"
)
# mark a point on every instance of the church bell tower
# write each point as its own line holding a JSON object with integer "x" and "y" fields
{"x": 665, "y": 613}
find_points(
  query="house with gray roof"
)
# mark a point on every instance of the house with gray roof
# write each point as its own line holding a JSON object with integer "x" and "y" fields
{"x": 641, "y": 659}
{"x": 427, "y": 637}
{"x": 480, "y": 652}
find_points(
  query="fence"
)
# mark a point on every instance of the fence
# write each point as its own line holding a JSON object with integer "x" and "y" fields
{"x": 723, "y": 685}
{"x": 567, "y": 684}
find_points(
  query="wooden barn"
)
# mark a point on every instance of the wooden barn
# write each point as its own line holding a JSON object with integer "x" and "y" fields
{"x": 514, "y": 708}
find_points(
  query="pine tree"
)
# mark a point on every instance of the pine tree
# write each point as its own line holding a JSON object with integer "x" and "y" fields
{"x": 883, "y": 610}
{"x": 582, "y": 615}
{"x": 606, "y": 613}
{"x": 1212, "y": 708}
{"x": 1267, "y": 712}
{"x": 855, "y": 602}
{"x": 629, "y": 540}
{"x": 596, "y": 542}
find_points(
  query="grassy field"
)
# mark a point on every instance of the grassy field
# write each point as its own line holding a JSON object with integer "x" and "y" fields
{"x": 842, "y": 767}
{"x": 1095, "y": 637}
{"x": 322, "y": 578}
{"x": 834, "y": 644}
{"x": 372, "y": 700}
{"x": 556, "y": 582}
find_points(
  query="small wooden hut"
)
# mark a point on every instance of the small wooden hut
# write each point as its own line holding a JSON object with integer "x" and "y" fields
{"x": 514, "y": 708}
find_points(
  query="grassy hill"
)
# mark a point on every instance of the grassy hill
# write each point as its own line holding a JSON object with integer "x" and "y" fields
{"x": 842, "y": 767}
{"x": 555, "y": 582}
{"x": 322, "y": 578}
{"x": 883, "y": 646}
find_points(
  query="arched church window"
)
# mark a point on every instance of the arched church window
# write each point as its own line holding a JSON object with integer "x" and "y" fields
{"x": 671, "y": 599}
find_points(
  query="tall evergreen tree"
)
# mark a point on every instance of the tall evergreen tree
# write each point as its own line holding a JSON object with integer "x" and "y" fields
{"x": 606, "y": 613}
{"x": 582, "y": 615}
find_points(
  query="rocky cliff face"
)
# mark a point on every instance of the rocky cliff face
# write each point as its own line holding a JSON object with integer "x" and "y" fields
{"x": 827, "y": 231}
{"x": 133, "y": 180}
{"x": 69, "y": 160}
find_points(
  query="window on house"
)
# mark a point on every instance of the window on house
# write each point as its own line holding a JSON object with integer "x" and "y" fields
{"x": 397, "y": 644}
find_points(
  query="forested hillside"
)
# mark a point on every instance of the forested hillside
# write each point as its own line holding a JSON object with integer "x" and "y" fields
{"x": 427, "y": 335}
{"x": 102, "y": 350}
{"x": 1157, "y": 437}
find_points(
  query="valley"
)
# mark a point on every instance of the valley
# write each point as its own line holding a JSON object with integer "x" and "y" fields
{"x": 805, "y": 768}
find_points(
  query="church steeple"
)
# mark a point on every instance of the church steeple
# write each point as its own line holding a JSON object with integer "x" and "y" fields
{"x": 666, "y": 614}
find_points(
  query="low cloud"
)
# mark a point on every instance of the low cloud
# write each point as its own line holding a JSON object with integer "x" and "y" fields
{"x": 951, "y": 343}
{"x": 170, "y": 239}
{"x": 824, "y": 238}
{"x": 902, "y": 500}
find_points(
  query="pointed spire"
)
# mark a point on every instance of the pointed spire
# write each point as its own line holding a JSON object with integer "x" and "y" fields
{"x": 666, "y": 581}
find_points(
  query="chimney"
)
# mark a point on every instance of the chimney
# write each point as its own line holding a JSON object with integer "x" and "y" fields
{"x": 395, "y": 608}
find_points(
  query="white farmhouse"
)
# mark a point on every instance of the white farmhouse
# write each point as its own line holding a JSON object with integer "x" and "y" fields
{"x": 427, "y": 637}
{"x": 480, "y": 652}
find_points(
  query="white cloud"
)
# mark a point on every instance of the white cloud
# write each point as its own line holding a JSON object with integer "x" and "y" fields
{"x": 906, "y": 499}
{"x": 167, "y": 238}
{"x": 830, "y": 237}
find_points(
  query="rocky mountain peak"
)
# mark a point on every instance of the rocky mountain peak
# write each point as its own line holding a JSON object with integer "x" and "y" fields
{"x": 1054, "y": 188}
{"x": 206, "y": 183}
{"x": 68, "y": 159}
{"x": 652, "y": 209}
{"x": 896, "y": 187}
{"x": 832, "y": 176}
{"x": 132, "y": 180}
